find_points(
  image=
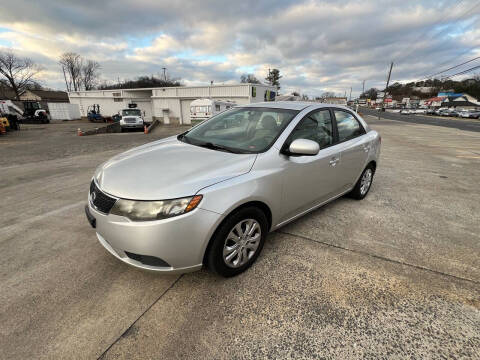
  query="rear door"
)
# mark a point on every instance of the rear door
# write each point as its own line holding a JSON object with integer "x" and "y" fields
{"x": 355, "y": 146}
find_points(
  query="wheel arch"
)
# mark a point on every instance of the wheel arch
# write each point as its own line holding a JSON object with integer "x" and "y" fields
{"x": 254, "y": 203}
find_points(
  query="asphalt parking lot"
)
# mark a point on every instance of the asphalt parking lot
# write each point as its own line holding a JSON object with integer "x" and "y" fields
{"x": 396, "y": 275}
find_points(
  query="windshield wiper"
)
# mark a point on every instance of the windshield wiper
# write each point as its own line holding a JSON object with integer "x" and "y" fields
{"x": 213, "y": 146}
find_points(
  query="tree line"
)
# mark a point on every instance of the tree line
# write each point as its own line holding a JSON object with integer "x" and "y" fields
{"x": 79, "y": 73}
{"x": 469, "y": 86}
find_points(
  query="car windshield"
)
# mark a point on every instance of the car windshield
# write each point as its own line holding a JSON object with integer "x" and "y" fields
{"x": 241, "y": 130}
{"x": 131, "y": 112}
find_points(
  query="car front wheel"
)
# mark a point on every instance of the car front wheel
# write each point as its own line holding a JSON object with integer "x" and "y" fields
{"x": 237, "y": 242}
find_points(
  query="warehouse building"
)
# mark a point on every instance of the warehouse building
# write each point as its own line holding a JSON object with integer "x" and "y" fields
{"x": 170, "y": 105}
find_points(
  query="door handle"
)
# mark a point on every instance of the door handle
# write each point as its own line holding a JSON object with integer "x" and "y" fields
{"x": 333, "y": 161}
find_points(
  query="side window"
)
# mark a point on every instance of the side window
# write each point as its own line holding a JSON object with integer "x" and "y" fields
{"x": 316, "y": 126}
{"x": 348, "y": 127}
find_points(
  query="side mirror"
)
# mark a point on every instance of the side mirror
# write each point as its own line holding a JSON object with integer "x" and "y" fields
{"x": 303, "y": 147}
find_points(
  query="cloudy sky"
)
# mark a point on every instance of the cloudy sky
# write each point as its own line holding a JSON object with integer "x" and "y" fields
{"x": 317, "y": 45}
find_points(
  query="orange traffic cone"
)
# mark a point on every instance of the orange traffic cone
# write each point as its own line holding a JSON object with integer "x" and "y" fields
{"x": 79, "y": 132}
{"x": 145, "y": 129}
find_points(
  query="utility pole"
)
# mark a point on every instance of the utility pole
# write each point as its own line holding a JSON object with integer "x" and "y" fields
{"x": 363, "y": 87}
{"x": 350, "y": 94}
{"x": 385, "y": 92}
{"x": 65, "y": 77}
{"x": 164, "y": 73}
{"x": 388, "y": 82}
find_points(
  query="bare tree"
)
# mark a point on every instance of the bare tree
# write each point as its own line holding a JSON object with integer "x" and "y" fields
{"x": 19, "y": 72}
{"x": 72, "y": 70}
{"x": 327, "y": 94}
{"x": 90, "y": 74}
{"x": 249, "y": 79}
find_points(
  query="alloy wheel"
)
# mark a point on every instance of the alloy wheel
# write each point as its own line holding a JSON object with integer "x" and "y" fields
{"x": 242, "y": 243}
{"x": 366, "y": 181}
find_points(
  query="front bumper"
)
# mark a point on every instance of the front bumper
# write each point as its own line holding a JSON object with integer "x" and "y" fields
{"x": 177, "y": 244}
{"x": 132, "y": 125}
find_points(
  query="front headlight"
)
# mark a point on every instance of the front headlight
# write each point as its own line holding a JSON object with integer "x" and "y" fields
{"x": 154, "y": 210}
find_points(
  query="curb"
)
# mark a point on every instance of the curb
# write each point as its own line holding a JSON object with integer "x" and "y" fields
{"x": 152, "y": 126}
{"x": 110, "y": 128}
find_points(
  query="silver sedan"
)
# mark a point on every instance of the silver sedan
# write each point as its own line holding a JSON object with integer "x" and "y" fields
{"x": 210, "y": 196}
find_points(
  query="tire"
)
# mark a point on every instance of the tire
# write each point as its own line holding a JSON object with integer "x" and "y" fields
{"x": 359, "y": 191}
{"x": 226, "y": 241}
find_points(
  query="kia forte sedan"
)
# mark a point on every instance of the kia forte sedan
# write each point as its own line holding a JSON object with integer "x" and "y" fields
{"x": 211, "y": 195}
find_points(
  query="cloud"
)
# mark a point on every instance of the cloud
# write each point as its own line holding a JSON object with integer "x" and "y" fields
{"x": 318, "y": 45}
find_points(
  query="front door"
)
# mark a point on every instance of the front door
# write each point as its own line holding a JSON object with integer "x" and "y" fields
{"x": 310, "y": 180}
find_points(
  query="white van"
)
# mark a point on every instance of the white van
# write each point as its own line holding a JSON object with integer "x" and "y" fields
{"x": 202, "y": 109}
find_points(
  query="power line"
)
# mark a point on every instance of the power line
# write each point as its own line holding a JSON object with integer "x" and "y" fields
{"x": 463, "y": 72}
{"x": 453, "y": 67}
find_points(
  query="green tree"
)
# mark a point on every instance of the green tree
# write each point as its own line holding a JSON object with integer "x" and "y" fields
{"x": 274, "y": 77}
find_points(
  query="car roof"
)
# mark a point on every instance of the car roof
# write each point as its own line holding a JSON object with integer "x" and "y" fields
{"x": 293, "y": 105}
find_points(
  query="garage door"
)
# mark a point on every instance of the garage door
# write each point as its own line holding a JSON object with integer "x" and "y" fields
{"x": 186, "y": 111}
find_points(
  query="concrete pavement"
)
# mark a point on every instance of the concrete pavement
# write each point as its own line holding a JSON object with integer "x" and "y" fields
{"x": 395, "y": 275}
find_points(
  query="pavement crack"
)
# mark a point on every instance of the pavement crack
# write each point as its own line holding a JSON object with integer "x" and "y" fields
{"x": 129, "y": 329}
{"x": 419, "y": 267}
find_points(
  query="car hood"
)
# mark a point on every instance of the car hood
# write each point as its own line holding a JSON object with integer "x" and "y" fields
{"x": 168, "y": 169}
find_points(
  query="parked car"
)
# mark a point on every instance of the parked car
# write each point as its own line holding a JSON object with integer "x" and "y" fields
{"x": 472, "y": 114}
{"x": 211, "y": 194}
{"x": 430, "y": 112}
{"x": 407, "y": 111}
{"x": 420, "y": 111}
{"x": 449, "y": 112}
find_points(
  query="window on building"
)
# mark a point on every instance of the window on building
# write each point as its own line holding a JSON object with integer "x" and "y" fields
{"x": 217, "y": 107}
{"x": 117, "y": 99}
{"x": 117, "y": 94}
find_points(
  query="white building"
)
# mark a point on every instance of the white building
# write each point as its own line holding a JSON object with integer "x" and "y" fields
{"x": 170, "y": 105}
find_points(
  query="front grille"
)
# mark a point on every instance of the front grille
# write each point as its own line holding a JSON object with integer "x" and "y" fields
{"x": 130, "y": 120}
{"x": 101, "y": 201}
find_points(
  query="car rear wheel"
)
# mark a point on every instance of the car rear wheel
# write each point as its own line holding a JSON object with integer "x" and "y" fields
{"x": 362, "y": 187}
{"x": 237, "y": 242}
